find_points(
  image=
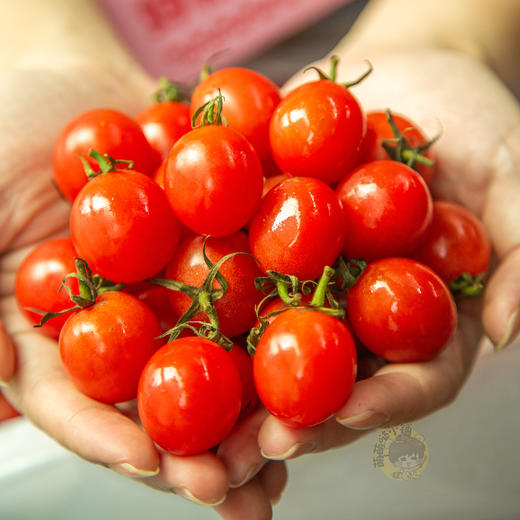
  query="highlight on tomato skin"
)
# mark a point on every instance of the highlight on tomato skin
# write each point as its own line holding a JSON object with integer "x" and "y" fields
{"x": 304, "y": 367}
{"x": 189, "y": 396}
{"x": 401, "y": 310}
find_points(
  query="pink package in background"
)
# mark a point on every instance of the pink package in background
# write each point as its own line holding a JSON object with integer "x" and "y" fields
{"x": 175, "y": 38}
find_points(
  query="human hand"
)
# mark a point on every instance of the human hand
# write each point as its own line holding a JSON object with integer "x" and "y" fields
{"x": 478, "y": 160}
{"x": 37, "y": 104}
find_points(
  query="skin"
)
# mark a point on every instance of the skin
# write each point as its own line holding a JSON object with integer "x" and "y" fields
{"x": 482, "y": 173}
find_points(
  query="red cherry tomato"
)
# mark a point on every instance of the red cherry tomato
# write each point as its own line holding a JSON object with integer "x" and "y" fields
{"x": 213, "y": 180}
{"x": 401, "y": 310}
{"x": 106, "y": 131}
{"x": 317, "y": 131}
{"x": 456, "y": 243}
{"x": 271, "y": 182}
{"x": 298, "y": 228}
{"x": 7, "y": 411}
{"x": 304, "y": 367}
{"x": 236, "y": 309}
{"x": 244, "y": 365}
{"x": 163, "y": 124}
{"x": 189, "y": 396}
{"x": 38, "y": 282}
{"x": 104, "y": 347}
{"x": 158, "y": 175}
{"x": 249, "y": 101}
{"x": 122, "y": 225}
{"x": 379, "y": 130}
{"x": 387, "y": 208}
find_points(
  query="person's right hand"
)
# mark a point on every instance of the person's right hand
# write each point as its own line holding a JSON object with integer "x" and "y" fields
{"x": 36, "y": 105}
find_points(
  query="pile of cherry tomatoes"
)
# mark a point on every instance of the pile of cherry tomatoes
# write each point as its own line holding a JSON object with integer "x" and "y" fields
{"x": 246, "y": 248}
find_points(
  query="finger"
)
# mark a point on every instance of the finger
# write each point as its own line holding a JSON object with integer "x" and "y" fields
{"x": 248, "y": 501}
{"x": 397, "y": 393}
{"x": 200, "y": 478}
{"x": 240, "y": 451}
{"x": 7, "y": 356}
{"x": 95, "y": 431}
{"x": 273, "y": 479}
{"x": 500, "y": 315}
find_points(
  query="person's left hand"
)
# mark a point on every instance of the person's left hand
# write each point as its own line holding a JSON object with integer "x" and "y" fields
{"x": 478, "y": 166}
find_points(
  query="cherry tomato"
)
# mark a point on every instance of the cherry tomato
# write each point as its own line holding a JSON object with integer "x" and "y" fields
{"x": 298, "y": 228}
{"x": 401, "y": 310}
{"x": 213, "y": 180}
{"x": 122, "y": 225}
{"x": 249, "y": 101}
{"x": 317, "y": 131}
{"x": 38, "y": 282}
{"x": 7, "y": 411}
{"x": 158, "y": 175}
{"x": 104, "y": 347}
{"x": 388, "y": 209}
{"x": 304, "y": 367}
{"x": 244, "y": 365}
{"x": 456, "y": 243}
{"x": 157, "y": 298}
{"x": 271, "y": 182}
{"x": 236, "y": 309}
{"x": 106, "y": 131}
{"x": 378, "y": 130}
{"x": 163, "y": 124}
{"x": 189, "y": 396}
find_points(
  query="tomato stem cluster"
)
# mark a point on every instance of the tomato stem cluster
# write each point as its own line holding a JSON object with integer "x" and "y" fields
{"x": 105, "y": 162}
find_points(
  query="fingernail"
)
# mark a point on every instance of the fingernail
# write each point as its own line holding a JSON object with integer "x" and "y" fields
{"x": 249, "y": 475}
{"x": 275, "y": 500}
{"x": 300, "y": 448}
{"x": 512, "y": 327}
{"x": 365, "y": 421}
{"x": 186, "y": 493}
{"x": 3, "y": 383}
{"x": 131, "y": 471}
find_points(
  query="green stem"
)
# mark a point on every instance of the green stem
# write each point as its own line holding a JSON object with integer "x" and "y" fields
{"x": 416, "y": 158}
{"x": 320, "y": 293}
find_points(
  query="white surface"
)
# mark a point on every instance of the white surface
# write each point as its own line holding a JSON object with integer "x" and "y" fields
{"x": 473, "y": 471}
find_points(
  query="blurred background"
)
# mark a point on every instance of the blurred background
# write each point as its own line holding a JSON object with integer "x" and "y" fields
{"x": 473, "y": 469}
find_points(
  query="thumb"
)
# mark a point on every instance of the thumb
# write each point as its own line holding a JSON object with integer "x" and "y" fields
{"x": 500, "y": 315}
{"x": 7, "y": 356}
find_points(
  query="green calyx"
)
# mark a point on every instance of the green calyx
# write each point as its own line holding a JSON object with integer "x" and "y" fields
{"x": 468, "y": 286}
{"x": 203, "y": 300}
{"x": 291, "y": 291}
{"x": 210, "y": 112}
{"x": 334, "y": 60}
{"x": 168, "y": 92}
{"x": 90, "y": 287}
{"x": 399, "y": 149}
{"x": 105, "y": 162}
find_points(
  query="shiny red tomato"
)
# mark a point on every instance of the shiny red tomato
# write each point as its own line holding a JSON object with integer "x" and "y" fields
{"x": 163, "y": 124}
{"x": 249, "y": 101}
{"x": 378, "y": 130}
{"x": 122, "y": 225}
{"x": 189, "y": 396}
{"x": 236, "y": 309}
{"x": 401, "y": 310}
{"x": 244, "y": 365}
{"x": 271, "y": 182}
{"x": 387, "y": 210}
{"x": 456, "y": 243}
{"x": 38, "y": 282}
{"x": 317, "y": 131}
{"x": 105, "y": 347}
{"x": 298, "y": 228}
{"x": 213, "y": 180}
{"x": 106, "y": 131}
{"x": 304, "y": 367}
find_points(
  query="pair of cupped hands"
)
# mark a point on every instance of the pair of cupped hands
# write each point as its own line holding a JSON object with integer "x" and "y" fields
{"x": 478, "y": 163}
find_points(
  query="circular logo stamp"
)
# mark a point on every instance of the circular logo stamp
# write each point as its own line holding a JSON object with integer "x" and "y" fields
{"x": 401, "y": 453}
